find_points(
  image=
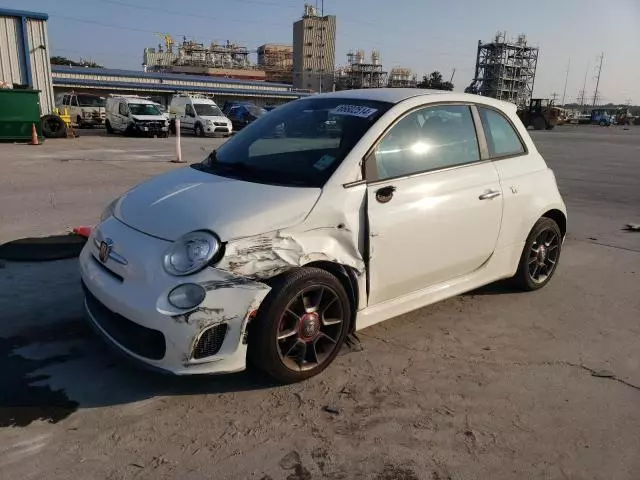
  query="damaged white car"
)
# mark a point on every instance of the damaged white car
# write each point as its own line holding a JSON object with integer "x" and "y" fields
{"x": 330, "y": 214}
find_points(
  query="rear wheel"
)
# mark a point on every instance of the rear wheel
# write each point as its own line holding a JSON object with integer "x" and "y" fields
{"x": 540, "y": 256}
{"x": 300, "y": 326}
{"x": 53, "y": 126}
{"x": 108, "y": 126}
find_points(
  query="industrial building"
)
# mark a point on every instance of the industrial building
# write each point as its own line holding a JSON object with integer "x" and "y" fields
{"x": 361, "y": 74}
{"x": 314, "y": 50}
{"x": 24, "y": 53}
{"x": 402, "y": 78}
{"x": 228, "y": 60}
{"x": 505, "y": 70}
{"x": 161, "y": 86}
{"x": 277, "y": 62}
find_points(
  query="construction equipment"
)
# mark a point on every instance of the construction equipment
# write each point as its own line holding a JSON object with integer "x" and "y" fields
{"x": 600, "y": 117}
{"x": 57, "y": 124}
{"x": 541, "y": 114}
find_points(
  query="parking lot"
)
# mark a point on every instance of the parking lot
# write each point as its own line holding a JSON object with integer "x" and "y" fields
{"x": 488, "y": 385}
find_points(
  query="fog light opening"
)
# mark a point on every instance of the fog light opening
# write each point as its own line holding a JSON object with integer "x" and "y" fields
{"x": 188, "y": 295}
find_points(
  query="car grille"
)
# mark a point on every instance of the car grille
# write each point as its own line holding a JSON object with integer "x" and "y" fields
{"x": 220, "y": 124}
{"x": 140, "y": 340}
{"x": 210, "y": 341}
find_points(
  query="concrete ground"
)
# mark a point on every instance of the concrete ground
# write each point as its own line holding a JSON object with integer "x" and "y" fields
{"x": 488, "y": 385}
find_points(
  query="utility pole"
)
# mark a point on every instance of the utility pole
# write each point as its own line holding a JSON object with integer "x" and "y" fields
{"x": 452, "y": 75}
{"x": 566, "y": 77}
{"x": 584, "y": 88}
{"x": 595, "y": 93}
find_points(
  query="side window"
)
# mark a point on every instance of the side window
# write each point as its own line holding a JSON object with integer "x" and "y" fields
{"x": 74, "y": 101}
{"x": 428, "y": 139}
{"x": 502, "y": 139}
{"x": 65, "y": 100}
{"x": 189, "y": 111}
{"x": 122, "y": 108}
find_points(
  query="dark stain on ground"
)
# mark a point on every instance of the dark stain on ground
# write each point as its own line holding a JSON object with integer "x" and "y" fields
{"x": 291, "y": 461}
{"x": 22, "y": 402}
{"x": 394, "y": 472}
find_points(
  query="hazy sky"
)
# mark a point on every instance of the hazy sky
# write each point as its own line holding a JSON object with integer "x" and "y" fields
{"x": 424, "y": 35}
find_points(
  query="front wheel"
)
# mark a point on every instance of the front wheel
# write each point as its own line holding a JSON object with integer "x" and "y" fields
{"x": 540, "y": 256}
{"x": 107, "y": 125}
{"x": 539, "y": 123}
{"x": 199, "y": 131}
{"x": 301, "y": 325}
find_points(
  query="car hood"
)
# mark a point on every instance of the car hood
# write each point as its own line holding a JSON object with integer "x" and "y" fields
{"x": 147, "y": 118}
{"x": 184, "y": 200}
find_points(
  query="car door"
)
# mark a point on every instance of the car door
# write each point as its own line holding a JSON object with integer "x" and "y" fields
{"x": 187, "y": 121}
{"x": 123, "y": 116}
{"x": 434, "y": 202}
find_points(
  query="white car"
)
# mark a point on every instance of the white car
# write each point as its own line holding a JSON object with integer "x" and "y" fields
{"x": 277, "y": 248}
{"x": 133, "y": 115}
{"x": 199, "y": 115}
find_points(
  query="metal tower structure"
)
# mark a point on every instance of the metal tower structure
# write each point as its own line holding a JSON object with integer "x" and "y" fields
{"x": 505, "y": 70}
{"x": 360, "y": 74}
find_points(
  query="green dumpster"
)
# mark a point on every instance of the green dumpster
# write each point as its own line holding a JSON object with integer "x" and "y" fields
{"x": 19, "y": 110}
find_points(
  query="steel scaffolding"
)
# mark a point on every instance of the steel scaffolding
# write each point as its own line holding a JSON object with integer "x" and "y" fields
{"x": 505, "y": 70}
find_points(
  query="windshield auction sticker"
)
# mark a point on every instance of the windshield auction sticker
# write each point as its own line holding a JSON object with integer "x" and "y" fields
{"x": 354, "y": 111}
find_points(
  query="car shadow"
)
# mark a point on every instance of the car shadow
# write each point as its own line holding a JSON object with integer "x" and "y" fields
{"x": 501, "y": 287}
{"x": 54, "y": 364}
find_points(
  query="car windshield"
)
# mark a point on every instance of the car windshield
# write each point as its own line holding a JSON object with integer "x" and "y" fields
{"x": 207, "y": 110}
{"x": 298, "y": 144}
{"x": 90, "y": 101}
{"x": 143, "y": 109}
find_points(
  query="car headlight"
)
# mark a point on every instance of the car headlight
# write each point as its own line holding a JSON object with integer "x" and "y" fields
{"x": 191, "y": 253}
{"x": 187, "y": 295}
{"x": 108, "y": 212}
{"x": 209, "y": 122}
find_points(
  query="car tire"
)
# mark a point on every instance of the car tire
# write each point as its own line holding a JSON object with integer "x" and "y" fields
{"x": 537, "y": 266}
{"x": 539, "y": 123}
{"x": 198, "y": 130}
{"x": 79, "y": 122}
{"x": 291, "y": 338}
{"x": 108, "y": 126}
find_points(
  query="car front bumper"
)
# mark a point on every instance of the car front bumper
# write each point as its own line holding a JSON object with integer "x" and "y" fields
{"x": 126, "y": 302}
{"x": 218, "y": 129}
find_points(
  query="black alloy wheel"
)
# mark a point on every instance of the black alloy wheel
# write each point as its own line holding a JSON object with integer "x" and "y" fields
{"x": 300, "y": 326}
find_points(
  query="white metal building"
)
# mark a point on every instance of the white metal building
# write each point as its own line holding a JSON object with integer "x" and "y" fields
{"x": 24, "y": 53}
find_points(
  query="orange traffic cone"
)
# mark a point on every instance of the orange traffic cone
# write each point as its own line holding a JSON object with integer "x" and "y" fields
{"x": 34, "y": 135}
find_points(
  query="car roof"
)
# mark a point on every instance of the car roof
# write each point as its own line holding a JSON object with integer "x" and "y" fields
{"x": 397, "y": 95}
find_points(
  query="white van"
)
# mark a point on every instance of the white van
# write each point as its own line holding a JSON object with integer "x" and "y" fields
{"x": 199, "y": 115}
{"x": 85, "y": 109}
{"x": 135, "y": 115}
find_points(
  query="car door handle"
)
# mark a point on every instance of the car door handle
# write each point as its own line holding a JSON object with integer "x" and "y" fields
{"x": 489, "y": 194}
